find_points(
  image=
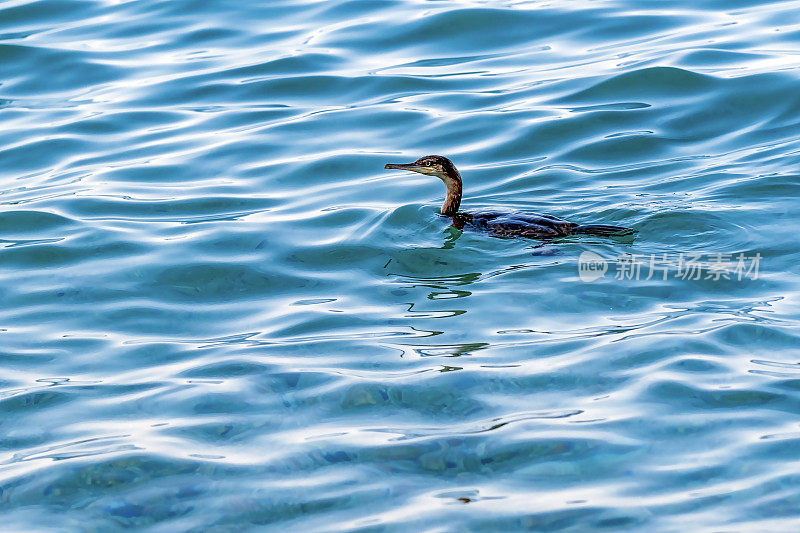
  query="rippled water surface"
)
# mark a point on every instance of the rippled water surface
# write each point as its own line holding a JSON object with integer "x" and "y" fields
{"x": 220, "y": 313}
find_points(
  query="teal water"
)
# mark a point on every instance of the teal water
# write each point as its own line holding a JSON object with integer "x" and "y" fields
{"x": 219, "y": 312}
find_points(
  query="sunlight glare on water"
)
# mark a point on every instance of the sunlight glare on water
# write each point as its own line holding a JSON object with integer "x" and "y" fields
{"x": 219, "y": 311}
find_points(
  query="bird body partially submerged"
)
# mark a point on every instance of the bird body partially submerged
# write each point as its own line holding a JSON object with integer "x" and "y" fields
{"x": 498, "y": 223}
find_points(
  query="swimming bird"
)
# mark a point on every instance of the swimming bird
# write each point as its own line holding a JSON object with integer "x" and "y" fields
{"x": 498, "y": 223}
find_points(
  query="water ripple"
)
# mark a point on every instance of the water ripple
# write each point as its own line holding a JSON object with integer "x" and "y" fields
{"x": 253, "y": 324}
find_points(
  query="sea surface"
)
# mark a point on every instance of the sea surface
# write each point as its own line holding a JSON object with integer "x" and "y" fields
{"x": 218, "y": 312}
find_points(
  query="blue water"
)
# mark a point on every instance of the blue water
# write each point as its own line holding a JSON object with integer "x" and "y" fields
{"x": 220, "y": 313}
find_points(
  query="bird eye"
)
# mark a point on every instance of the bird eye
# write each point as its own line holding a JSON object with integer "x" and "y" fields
{"x": 427, "y": 163}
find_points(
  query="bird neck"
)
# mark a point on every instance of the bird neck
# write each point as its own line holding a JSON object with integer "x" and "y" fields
{"x": 453, "y": 198}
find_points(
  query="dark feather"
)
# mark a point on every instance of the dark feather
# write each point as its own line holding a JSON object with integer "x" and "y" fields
{"x": 601, "y": 229}
{"x": 529, "y": 225}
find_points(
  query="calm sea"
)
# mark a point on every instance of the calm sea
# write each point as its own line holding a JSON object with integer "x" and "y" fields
{"x": 218, "y": 312}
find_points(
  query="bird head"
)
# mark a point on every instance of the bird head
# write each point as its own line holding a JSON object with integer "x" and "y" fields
{"x": 432, "y": 165}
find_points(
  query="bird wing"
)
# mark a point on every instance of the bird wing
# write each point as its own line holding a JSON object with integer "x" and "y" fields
{"x": 520, "y": 224}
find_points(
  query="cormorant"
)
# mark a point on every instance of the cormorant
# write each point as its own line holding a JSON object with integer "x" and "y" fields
{"x": 499, "y": 223}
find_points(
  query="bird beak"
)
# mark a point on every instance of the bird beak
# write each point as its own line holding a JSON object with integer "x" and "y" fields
{"x": 407, "y": 166}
